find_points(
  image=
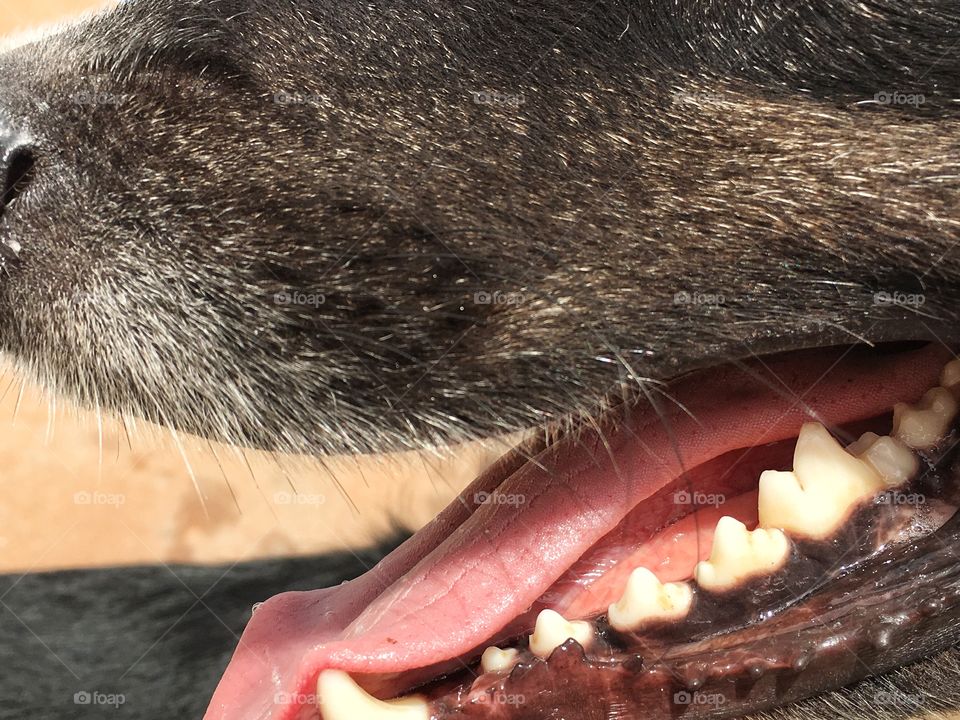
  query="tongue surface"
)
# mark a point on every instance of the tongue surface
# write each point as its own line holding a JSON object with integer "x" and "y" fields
{"x": 480, "y": 564}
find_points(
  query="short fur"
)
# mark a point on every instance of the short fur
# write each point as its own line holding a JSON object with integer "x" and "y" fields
{"x": 324, "y": 226}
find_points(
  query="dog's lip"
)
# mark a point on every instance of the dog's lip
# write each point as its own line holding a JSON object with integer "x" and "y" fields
{"x": 376, "y": 624}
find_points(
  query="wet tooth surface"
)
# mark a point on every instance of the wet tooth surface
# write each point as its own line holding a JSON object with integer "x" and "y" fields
{"x": 894, "y": 461}
{"x": 825, "y": 484}
{"x": 738, "y": 554}
{"x": 495, "y": 660}
{"x": 552, "y": 630}
{"x": 922, "y": 425}
{"x": 342, "y": 699}
{"x": 647, "y": 600}
{"x": 950, "y": 376}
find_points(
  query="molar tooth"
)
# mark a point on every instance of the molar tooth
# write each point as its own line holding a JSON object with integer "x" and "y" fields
{"x": 553, "y": 630}
{"x": 495, "y": 660}
{"x": 825, "y": 484}
{"x": 921, "y": 426}
{"x": 738, "y": 554}
{"x": 646, "y": 599}
{"x": 895, "y": 462}
{"x": 342, "y": 699}
{"x": 950, "y": 376}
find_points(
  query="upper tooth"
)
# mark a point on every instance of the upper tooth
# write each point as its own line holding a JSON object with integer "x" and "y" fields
{"x": 646, "y": 599}
{"x": 826, "y": 483}
{"x": 923, "y": 425}
{"x": 553, "y": 630}
{"x": 738, "y": 554}
{"x": 494, "y": 659}
{"x": 950, "y": 376}
{"x": 895, "y": 462}
{"x": 342, "y": 699}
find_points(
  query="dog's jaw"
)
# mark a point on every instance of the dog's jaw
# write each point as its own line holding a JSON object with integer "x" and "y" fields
{"x": 563, "y": 546}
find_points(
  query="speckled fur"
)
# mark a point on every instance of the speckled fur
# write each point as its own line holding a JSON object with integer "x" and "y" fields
{"x": 641, "y": 187}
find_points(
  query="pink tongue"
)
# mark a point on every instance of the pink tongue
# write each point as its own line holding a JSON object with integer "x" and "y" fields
{"x": 475, "y": 568}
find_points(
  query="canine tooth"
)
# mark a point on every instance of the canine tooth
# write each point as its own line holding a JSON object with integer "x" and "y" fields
{"x": 646, "y": 599}
{"x": 922, "y": 425}
{"x": 950, "y": 376}
{"x": 342, "y": 699}
{"x": 825, "y": 484}
{"x": 738, "y": 554}
{"x": 494, "y": 659}
{"x": 895, "y": 462}
{"x": 553, "y": 630}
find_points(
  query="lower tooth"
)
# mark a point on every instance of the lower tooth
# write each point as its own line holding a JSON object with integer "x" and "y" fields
{"x": 553, "y": 630}
{"x": 647, "y": 600}
{"x": 950, "y": 376}
{"x": 342, "y": 699}
{"x": 894, "y": 461}
{"x": 739, "y": 554}
{"x": 826, "y": 483}
{"x": 496, "y": 660}
{"x": 923, "y": 425}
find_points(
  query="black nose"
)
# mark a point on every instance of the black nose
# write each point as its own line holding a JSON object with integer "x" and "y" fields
{"x": 17, "y": 168}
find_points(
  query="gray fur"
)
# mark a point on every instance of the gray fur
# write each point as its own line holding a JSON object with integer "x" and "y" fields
{"x": 652, "y": 186}
{"x": 630, "y": 151}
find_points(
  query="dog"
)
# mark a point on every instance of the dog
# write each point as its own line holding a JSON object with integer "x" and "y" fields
{"x": 331, "y": 228}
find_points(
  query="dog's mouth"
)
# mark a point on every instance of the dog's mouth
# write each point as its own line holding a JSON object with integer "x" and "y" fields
{"x": 745, "y": 537}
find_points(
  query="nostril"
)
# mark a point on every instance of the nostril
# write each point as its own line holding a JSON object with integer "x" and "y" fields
{"x": 19, "y": 165}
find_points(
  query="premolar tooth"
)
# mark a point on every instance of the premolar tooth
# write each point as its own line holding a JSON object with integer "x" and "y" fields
{"x": 495, "y": 660}
{"x": 825, "y": 484}
{"x": 646, "y": 599}
{"x": 553, "y": 630}
{"x": 950, "y": 376}
{"x": 738, "y": 554}
{"x": 342, "y": 699}
{"x": 923, "y": 425}
{"x": 895, "y": 462}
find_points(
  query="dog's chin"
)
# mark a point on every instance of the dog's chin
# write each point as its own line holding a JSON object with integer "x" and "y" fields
{"x": 739, "y": 538}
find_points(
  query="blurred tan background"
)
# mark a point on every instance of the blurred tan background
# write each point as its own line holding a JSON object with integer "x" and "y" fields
{"x": 72, "y": 495}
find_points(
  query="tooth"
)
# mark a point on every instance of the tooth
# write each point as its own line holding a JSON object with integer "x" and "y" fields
{"x": 826, "y": 483}
{"x": 950, "y": 376}
{"x": 342, "y": 699}
{"x": 553, "y": 630}
{"x": 923, "y": 425}
{"x": 495, "y": 660}
{"x": 894, "y": 461}
{"x": 646, "y": 599}
{"x": 738, "y": 554}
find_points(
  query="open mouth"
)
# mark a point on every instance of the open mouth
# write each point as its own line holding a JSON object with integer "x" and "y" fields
{"x": 739, "y": 538}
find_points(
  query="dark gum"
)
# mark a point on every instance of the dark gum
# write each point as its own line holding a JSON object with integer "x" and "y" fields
{"x": 820, "y": 630}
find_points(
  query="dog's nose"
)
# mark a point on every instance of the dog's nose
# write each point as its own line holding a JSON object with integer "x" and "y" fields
{"x": 17, "y": 167}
